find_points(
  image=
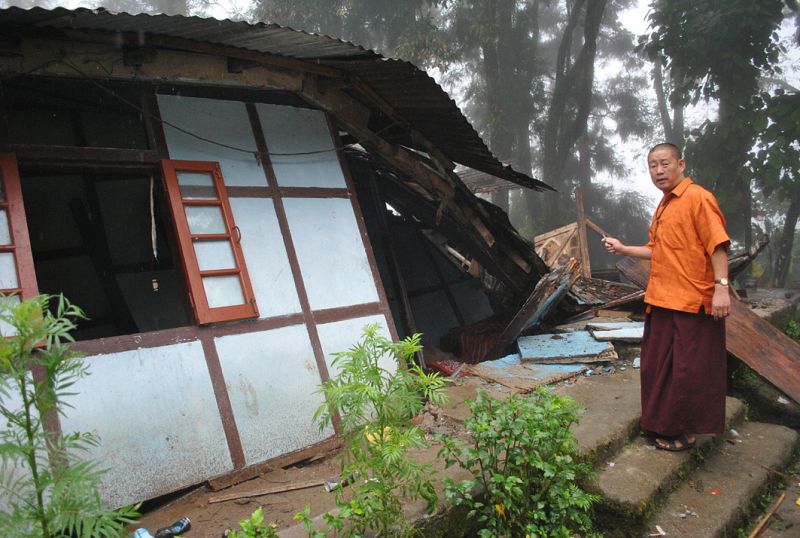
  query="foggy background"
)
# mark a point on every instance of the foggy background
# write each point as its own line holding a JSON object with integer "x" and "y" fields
{"x": 575, "y": 91}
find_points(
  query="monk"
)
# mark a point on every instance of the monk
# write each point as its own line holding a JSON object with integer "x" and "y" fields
{"x": 683, "y": 351}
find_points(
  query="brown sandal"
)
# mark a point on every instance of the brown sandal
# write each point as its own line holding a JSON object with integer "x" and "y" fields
{"x": 675, "y": 444}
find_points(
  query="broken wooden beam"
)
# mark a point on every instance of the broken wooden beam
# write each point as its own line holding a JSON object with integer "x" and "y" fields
{"x": 626, "y": 299}
{"x": 740, "y": 261}
{"x": 749, "y": 338}
{"x": 548, "y": 292}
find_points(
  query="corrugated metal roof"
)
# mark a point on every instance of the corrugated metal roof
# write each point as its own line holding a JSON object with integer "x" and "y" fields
{"x": 411, "y": 92}
{"x": 483, "y": 183}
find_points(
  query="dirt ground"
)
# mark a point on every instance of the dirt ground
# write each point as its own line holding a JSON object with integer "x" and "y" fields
{"x": 211, "y": 519}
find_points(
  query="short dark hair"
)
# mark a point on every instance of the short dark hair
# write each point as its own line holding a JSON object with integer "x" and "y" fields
{"x": 675, "y": 149}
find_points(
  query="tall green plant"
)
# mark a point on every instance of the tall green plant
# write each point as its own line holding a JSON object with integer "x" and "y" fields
{"x": 374, "y": 406}
{"x": 523, "y": 458}
{"x": 49, "y": 488}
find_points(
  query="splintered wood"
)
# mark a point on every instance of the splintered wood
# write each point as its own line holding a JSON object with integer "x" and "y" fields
{"x": 547, "y": 294}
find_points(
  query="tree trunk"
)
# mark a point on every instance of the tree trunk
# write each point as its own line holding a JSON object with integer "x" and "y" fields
{"x": 784, "y": 257}
{"x": 571, "y": 101}
{"x": 661, "y": 99}
{"x": 733, "y": 171}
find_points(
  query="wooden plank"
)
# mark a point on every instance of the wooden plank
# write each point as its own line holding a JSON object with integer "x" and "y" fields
{"x": 266, "y": 490}
{"x": 603, "y": 313}
{"x": 566, "y": 229}
{"x": 749, "y": 338}
{"x": 613, "y": 325}
{"x": 624, "y": 334}
{"x": 627, "y": 299}
{"x": 547, "y": 294}
{"x": 321, "y": 449}
{"x": 569, "y": 348}
{"x": 583, "y": 245}
{"x": 523, "y": 376}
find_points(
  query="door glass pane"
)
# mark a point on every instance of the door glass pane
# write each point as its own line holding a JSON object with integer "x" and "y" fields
{"x": 213, "y": 255}
{"x": 223, "y": 291}
{"x": 5, "y": 328}
{"x": 5, "y": 234}
{"x": 8, "y": 271}
{"x": 2, "y": 189}
{"x": 205, "y": 220}
{"x": 197, "y": 186}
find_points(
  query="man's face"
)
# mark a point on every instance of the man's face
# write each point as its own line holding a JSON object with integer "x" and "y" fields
{"x": 666, "y": 170}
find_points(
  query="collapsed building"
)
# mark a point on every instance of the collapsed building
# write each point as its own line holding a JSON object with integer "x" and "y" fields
{"x": 230, "y": 204}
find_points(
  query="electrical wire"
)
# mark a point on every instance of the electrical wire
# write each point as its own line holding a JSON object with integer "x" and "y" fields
{"x": 258, "y": 154}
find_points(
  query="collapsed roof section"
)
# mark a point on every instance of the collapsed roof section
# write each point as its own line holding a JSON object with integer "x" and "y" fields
{"x": 407, "y": 107}
{"x": 458, "y": 227}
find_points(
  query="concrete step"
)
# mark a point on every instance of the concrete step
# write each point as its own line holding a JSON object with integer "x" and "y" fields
{"x": 613, "y": 410}
{"x": 716, "y": 497}
{"x": 634, "y": 480}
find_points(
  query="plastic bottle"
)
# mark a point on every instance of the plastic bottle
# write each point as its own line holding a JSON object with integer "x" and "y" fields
{"x": 142, "y": 533}
{"x": 177, "y": 528}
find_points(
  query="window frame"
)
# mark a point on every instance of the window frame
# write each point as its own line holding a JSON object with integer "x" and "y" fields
{"x": 193, "y": 275}
{"x": 20, "y": 246}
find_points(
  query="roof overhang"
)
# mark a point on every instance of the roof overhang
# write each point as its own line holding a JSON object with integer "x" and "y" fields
{"x": 406, "y": 105}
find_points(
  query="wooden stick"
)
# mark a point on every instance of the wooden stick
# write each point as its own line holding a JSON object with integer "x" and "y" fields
{"x": 595, "y": 227}
{"x": 770, "y": 469}
{"x": 764, "y": 520}
{"x": 631, "y": 297}
{"x": 264, "y": 491}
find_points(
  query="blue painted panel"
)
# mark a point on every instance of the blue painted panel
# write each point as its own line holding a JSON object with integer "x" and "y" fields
{"x": 558, "y": 346}
{"x": 537, "y": 371}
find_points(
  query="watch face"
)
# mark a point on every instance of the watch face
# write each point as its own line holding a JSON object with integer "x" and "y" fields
{"x": 723, "y": 281}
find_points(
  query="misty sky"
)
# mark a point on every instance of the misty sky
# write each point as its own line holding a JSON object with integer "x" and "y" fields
{"x": 632, "y": 153}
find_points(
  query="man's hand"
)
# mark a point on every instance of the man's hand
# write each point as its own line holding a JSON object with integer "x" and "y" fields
{"x": 614, "y": 246}
{"x": 721, "y": 302}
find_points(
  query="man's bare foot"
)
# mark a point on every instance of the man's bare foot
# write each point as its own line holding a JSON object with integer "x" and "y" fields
{"x": 676, "y": 444}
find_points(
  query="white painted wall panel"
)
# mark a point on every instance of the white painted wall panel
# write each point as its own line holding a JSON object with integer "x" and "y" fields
{"x": 157, "y": 418}
{"x": 12, "y": 401}
{"x": 292, "y": 130}
{"x": 343, "y": 335}
{"x": 265, "y": 255}
{"x": 272, "y": 378}
{"x": 332, "y": 257}
{"x": 225, "y": 122}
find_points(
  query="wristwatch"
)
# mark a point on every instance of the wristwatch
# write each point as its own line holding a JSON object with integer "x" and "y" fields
{"x": 721, "y": 281}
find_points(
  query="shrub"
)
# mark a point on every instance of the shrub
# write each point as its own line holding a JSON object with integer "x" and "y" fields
{"x": 254, "y": 527}
{"x": 524, "y": 459}
{"x": 374, "y": 406}
{"x": 48, "y": 488}
{"x": 793, "y": 330}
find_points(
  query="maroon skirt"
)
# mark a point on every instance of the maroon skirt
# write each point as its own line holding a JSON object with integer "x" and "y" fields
{"x": 683, "y": 373}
